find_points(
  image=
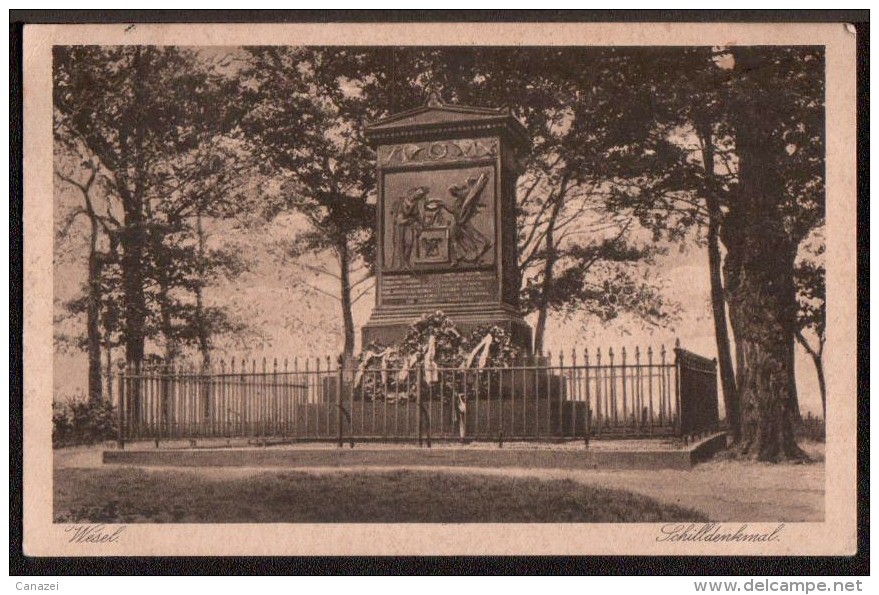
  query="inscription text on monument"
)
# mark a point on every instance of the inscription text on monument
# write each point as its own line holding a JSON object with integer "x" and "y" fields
{"x": 450, "y": 287}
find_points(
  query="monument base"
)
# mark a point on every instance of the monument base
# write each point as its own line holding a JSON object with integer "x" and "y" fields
{"x": 389, "y": 327}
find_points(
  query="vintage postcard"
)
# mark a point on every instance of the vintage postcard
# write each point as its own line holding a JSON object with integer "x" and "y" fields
{"x": 459, "y": 288}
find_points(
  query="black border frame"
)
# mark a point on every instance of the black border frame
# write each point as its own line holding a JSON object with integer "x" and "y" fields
{"x": 21, "y": 565}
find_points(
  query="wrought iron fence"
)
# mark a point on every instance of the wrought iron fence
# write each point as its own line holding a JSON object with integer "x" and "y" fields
{"x": 579, "y": 396}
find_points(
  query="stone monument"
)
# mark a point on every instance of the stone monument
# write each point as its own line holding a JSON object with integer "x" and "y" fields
{"x": 447, "y": 219}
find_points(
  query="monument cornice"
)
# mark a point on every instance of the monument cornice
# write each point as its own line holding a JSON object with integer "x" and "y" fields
{"x": 446, "y": 130}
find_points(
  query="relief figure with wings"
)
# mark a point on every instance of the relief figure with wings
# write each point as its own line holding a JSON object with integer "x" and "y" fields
{"x": 468, "y": 243}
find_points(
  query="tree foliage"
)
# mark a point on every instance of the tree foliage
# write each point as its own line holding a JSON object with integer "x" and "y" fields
{"x": 305, "y": 125}
{"x": 560, "y": 96}
{"x": 153, "y": 125}
{"x": 732, "y": 141}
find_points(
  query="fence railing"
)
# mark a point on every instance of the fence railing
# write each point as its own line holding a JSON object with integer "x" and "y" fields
{"x": 581, "y": 396}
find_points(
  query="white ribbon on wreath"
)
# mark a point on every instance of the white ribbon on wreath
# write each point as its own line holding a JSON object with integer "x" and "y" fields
{"x": 431, "y": 369}
{"x": 481, "y": 349}
{"x": 407, "y": 366}
{"x": 369, "y": 356}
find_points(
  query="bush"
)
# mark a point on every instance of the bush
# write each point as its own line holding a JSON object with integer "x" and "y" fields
{"x": 76, "y": 422}
{"x": 810, "y": 428}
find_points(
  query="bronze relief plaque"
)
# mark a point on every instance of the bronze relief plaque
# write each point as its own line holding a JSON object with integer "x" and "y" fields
{"x": 439, "y": 218}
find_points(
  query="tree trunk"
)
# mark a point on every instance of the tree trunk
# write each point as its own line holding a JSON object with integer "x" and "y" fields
{"x": 158, "y": 270}
{"x": 718, "y": 299}
{"x": 93, "y": 299}
{"x": 548, "y": 269}
{"x": 171, "y": 347}
{"x": 757, "y": 304}
{"x": 134, "y": 301}
{"x": 109, "y": 352}
{"x": 132, "y": 282}
{"x": 794, "y": 394}
{"x": 540, "y": 328}
{"x": 817, "y": 357}
{"x": 721, "y": 335}
{"x": 760, "y": 283}
{"x": 132, "y": 236}
{"x": 93, "y": 324}
{"x": 546, "y": 288}
{"x": 94, "y": 291}
{"x": 167, "y": 329}
{"x": 201, "y": 323}
{"x": 822, "y": 385}
{"x": 344, "y": 256}
{"x": 204, "y": 333}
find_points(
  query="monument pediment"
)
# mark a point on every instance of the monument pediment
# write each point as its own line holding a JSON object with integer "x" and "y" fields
{"x": 432, "y": 115}
{"x": 438, "y": 117}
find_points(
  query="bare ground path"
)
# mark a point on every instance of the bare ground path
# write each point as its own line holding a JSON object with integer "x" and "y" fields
{"x": 723, "y": 490}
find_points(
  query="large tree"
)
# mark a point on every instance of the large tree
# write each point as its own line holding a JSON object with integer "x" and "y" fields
{"x": 776, "y": 111}
{"x": 681, "y": 136}
{"x": 75, "y": 168}
{"x": 304, "y": 122}
{"x": 151, "y": 120}
{"x": 204, "y": 184}
{"x": 753, "y": 121}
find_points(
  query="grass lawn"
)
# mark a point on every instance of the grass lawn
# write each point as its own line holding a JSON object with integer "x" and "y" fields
{"x": 132, "y": 495}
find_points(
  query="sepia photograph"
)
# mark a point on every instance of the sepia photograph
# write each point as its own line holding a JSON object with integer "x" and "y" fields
{"x": 426, "y": 289}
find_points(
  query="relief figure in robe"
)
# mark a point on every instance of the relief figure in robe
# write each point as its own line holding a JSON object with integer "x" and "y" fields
{"x": 407, "y": 223}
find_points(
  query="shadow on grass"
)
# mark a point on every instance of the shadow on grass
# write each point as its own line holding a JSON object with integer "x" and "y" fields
{"x": 130, "y": 495}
